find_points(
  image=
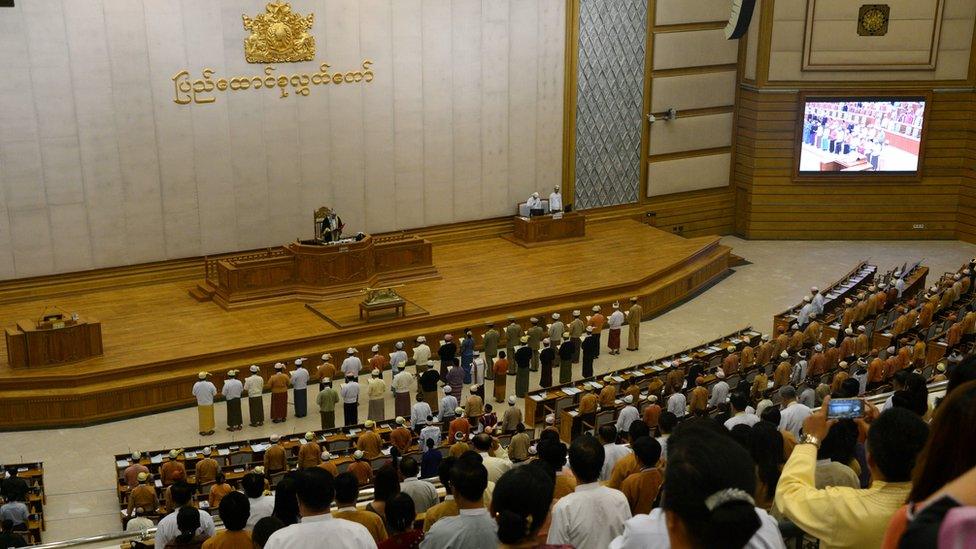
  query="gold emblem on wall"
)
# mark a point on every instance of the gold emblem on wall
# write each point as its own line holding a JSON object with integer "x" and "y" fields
{"x": 872, "y": 20}
{"x": 279, "y": 36}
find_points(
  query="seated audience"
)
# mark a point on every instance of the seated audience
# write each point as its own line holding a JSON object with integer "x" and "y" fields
{"x": 168, "y": 530}
{"x": 552, "y": 454}
{"x": 518, "y": 446}
{"x": 836, "y": 457}
{"x": 740, "y": 415}
{"x": 131, "y": 472}
{"x": 263, "y": 530}
{"x": 346, "y": 496}
{"x": 385, "y": 486}
{"x": 949, "y": 453}
{"x": 593, "y": 514}
{"x": 219, "y": 489}
{"x": 611, "y": 450}
{"x": 138, "y": 523}
{"x": 472, "y": 528}
{"x": 520, "y": 505}
{"x": 234, "y": 510}
{"x": 448, "y": 507}
{"x": 259, "y": 504}
{"x": 642, "y": 487}
{"x": 849, "y": 517}
{"x": 496, "y": 466}
{"x": 627, "y": 465}
{"x": 423, "y": 493}
{"x": 400, "y": 518}
{"x": 792, "y": 413}
{"x": 286, "y": 507}
{"x": 9, "y": 538}
{"x": 188, "y": 523}
{"x": 143, "y": 495}
{"x": 315, "y": 492}
{"x": 766, "y": 449}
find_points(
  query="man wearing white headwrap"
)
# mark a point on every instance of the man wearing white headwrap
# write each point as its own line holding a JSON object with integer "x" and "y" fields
{"x": 401, "y": 391}
{"x": 627, "y": 415}
{"x": 634, "y": 316}
{"x": 555, "y": 201}
{"x": 535, "y": 335}
{"x": 204, "y": 392}
{"x": 720, "y": 390}
{"x": 421, "y": 355}
{"x": 556, "y": 330}
{"x": 596, "y": 321}
{"x": 512, "y": 416}
{"x": 447, "y": 406}
{"x": 817, "y": 300}
{"x": 533, "y": 202}
{"x": 398, "y": 358}
{"x": 352, "y": 364}
{"x": 279, "y": 393}
{"x": 614, "y": 323}
{"x": 513, "y": 334}
{"x": 376, "y": 392}
{"x": 489, "y": 344}
{"x": 299, "y": 381}
{"x": 254, "y": 385}
{"x": 326, "y": 401}
{"x": 349, "y": 392}
{"x": 232, "y": 391}
{"x": 899, "y": 283}
{"x": 576, "y": 330}
{"x": 804, "y": 315}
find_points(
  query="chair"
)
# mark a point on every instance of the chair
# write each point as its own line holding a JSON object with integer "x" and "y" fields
{"x": 377, "y": 462}
{"x": 932, "y": 331}
{"x": 337, "y": 446}
{"x": 604, "y": 417}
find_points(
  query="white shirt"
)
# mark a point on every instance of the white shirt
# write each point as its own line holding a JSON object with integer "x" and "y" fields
{"x": 471, "y": 529}
{"x": 349, "y": 392}
{"x": 808, "y": 397}
{"x": 432, "y": 432}
{"x": 555, "y": 202}
{"x": 496, "y": 466}
{"x": 299, "y": 378}
{"x": 611, "y": 455}
{"x": 448, "y": 404}
{"x": 651, "y": 530}
{"x": 402, "y": 382}
{"x": 742, "y": 418}
{"x": 419, "y": 413}
{"x": 615, "y": 320}
{"x": 627, "y": 416}
{"x": 720, "y": 393}
{"x": 398, "y": 359}
{"x": 138, "y": 524}
{"x": 423, "y": 493}
{"x": 167, "y": 531}
{"x": 204, "y": 391}
{"x": 791, "y": 418}
{"x": 311, "y": 532}
{"x": 232, "y": 388}
{"x": 804, "y": 315}
{"x": 351, "y": 365}
{"x": 663, "y": 441}
{"x": 589, "y": 518}
{"x": 421, "y": 354}
{"x": 818, "y": 303}
{"x": 533, "y": 202}
{"x": 261, "y": 507}
{"x": 677, "y": 404}
{"x": 254, "y": 385}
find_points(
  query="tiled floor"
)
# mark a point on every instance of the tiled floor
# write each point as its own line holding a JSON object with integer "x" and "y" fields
{"x": 79, "y": 465}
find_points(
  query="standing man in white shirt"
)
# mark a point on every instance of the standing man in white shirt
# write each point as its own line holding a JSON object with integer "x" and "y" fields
{"x": 232, "y": 391}
{"x": 612, "y": 452}
{"x": 376, "y": 394}
{"x": 421, "y": 354}
{"x": 740, "y": 416}
{"x": 593, "y": 514}
{"x": 299, "y": 381}
{"x": 398, "y": 358}
{"x": 167, "y": 530}
{"x": 352, "y": 364}
{"x": 204, "y": 391}
{"x": 555, "y": 200}
{"x": 627, "y": 415}
{"x": 614, "y": 323}
{"x": 448, "y": 404}
{"x": 402, "y": 381}
{"x": 496, "y": 466}
{"x": 678, "y": 404}
{"x": 720, "y": 391}
{"x": 817, "y": 300}
{"x": 261, "y": 505}
{"x": 315, "y": 493}
{"x": 473, "y": 527}
{"x": 429, "y": 432}
{"x": 423, "y": 493}
{"x": 419, "y": 414}
{"x": 254, "y": 385}
{"x": 349, "y": 393}
{"x": 792, "y": 413}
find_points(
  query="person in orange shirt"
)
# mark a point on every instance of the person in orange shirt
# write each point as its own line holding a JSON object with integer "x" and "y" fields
{"x": 401, "y": 438}
{"x": 346, "y": 496}
{"x": 501, "y": 370}
{"x": 460, "y": 424}
{"x": 219, "y": 490}
{"x": 279, "y": 394}
{"x": 234, "y": 510}
{"x": 642, "y": 487}
{"x": 327, "y": 370}
{"x": 652, "y": 413}
{"x": 309, "y": 455}
{"x": 596, "y": 321}
{"x": 327, "y": 464}
{"x": 698, "y": 402}
{"x": 369, "y": 441}
{"x": 206, "y": 469}
{"x": 587, "y": 407}
{"x": 275, "y": 458}
{"x": 608, "y": 394}
{"x": 173, "y": 470}
{"x": 361, "y": 468}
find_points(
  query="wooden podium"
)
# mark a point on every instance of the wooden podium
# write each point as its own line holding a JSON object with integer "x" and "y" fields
{"x": 32, "y": 344}
{"x": 545, "y": 229}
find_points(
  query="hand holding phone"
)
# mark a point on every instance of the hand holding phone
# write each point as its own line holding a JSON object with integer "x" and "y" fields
{"x": 845, "y": 408}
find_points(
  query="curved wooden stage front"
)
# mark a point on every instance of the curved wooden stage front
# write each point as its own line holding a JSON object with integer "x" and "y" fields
{"x": 156, "y": 337}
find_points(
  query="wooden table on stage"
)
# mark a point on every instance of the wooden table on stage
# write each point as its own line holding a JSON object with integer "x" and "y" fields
{"x": 399, "y": 307}
{"x": 31, "y": 344}
{"x": 547, "y": 228}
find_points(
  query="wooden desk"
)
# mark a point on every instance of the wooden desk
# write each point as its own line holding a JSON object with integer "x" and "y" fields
{"x": 399, "y": 308}
{"x": 29, "y": 346}
{"x": 529, "y": 231}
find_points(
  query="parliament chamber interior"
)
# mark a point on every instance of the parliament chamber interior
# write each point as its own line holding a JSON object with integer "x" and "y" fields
{"x": 488, "y": 273}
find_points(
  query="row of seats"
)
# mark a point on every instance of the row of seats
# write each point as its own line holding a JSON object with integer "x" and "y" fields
{"x": 25, "y": 484}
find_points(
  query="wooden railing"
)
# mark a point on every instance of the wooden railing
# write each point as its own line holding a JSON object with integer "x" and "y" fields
{"x": 210, "y": 262}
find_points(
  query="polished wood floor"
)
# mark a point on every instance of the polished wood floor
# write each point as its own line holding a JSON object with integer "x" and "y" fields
{"x": 154, "y": 332}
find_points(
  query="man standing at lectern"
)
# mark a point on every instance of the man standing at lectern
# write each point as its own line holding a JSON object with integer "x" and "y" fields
{"x": 555, "y": 201}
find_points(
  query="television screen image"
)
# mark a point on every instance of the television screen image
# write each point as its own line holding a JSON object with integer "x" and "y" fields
{"x": 860, "y": 136}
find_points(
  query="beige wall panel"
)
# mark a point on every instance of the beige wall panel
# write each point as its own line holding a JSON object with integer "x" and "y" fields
{"x": 688, "y": 174}
{"x": 675, "y": 12}
{"x": 952, "y": 65}
{"x": 691, "y": 133}
{"x": 693, "y": 49}
{"x": 694, "y": 91}
{"x": 903, "y": 36}
{"x": 959, "y": 9}
{"x": 752, "y": 44}
{"x": 900, "y": 9}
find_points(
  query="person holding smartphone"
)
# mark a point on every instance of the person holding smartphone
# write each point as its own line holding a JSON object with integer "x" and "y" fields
{"x": 844, "y": 516}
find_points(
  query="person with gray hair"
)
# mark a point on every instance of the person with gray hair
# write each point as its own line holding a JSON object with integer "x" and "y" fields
{"x": 792, "y": 413}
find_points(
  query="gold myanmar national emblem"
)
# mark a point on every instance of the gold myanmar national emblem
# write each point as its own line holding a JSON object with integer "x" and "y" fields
{"x": 279, "y": 35}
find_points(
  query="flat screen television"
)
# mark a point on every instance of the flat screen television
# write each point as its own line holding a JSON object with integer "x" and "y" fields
{"x": 861, "y": 136}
